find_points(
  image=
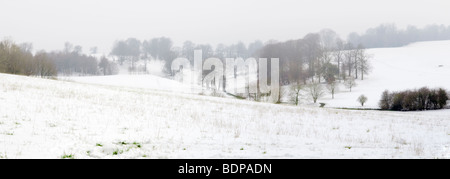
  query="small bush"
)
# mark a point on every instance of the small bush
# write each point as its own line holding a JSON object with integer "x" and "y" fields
{"x": 68, "y": 156}
{"x": 385, "y": 101}
{"x": 362, "y": 100}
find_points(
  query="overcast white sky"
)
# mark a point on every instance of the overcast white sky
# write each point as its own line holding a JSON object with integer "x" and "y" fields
{"x": 50, "y": 23}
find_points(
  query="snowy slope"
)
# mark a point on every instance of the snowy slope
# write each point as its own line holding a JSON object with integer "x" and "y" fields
{"x": 394, "y": 69}
{"x": 50, "y": 119}
{"x": 134, "y": 81}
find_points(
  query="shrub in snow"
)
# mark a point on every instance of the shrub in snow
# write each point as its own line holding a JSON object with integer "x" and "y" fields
{"x": 294, "y": 93}
{"x": 332, "y": 87}
{"x": 385, "y": 100}
{"x": 413, "y": 100}
{"x": 362, "y": 99}
{"x": 350, "y": 83}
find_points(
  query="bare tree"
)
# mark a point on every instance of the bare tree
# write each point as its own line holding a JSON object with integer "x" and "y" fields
{"x": 363, "y": 62}
{"x": 328, "y": 39}
{"x": 385, "y": 100}
{"x": 362, "y": 99}
{"x": 68, "y": 47}
{"x": 323, "y": 63}
{"x": 162, "y": 49}
{"x": 295, "y": 91}
{"x": 350, "y": 83}
{"x": 134, "y": 50}
{"x": 356, "y": 56}
{"x": 312, "y": 52}
{"x": 15, "y": 60}
{"x": 107, "y": 67}
{"x": 130, "y": 48}
{"x": 349, "y": 56}
{"x": 339, "y": 55}
{"x": 315, "y": 91}
{"x": 104, "y": 64}
{"x": 187, "y": 50}
{"x": 165, "y": 52}
{"x": 332, "y": 87}
{"x": 43, "y": 66}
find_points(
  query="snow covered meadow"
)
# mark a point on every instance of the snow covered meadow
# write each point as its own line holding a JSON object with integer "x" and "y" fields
{"x": 55, "y": 119}
{"x": 136, "y": 116}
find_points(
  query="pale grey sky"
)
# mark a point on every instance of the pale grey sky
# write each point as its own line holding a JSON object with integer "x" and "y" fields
{"x": 50, "y": 23}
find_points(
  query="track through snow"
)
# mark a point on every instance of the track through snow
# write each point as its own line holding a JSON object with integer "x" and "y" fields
{"x": 42, "y": 118}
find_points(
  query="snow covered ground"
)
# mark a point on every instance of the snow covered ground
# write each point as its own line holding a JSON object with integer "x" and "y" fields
{"x": 153, "y": 80}
{"x": 134, "y": 81}
{"x": 146, "y": 116}
{"x": 396, "y": 69}
{"x": 42, "y": 118}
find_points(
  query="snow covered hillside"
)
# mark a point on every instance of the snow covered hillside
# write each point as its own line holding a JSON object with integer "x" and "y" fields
{"x": 395, "y": 69}
{"x": 135, "y": 81}
{"x": 59, "y": 119}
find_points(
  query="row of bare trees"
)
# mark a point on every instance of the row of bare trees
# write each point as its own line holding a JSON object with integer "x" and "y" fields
{"x": 71, "y": 60}
{"x": 74, "y": 63}
{"x": 162, "y": 48}
{"x": 388, "y": 35}
{"x": 18, "y": 59}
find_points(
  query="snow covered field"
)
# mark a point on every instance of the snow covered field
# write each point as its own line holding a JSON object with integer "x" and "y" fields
{"x": 396, "y": 69}
{"x": 60, "y": 119}
{"x": 134, "y": 81}
{"x": 146, "y": 116}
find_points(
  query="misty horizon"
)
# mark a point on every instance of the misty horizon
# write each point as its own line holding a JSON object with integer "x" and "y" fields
{"x": 101, "y": 23}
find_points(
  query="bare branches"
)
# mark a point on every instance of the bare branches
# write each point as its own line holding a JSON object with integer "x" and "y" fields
{"x": 315, "y": 91}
